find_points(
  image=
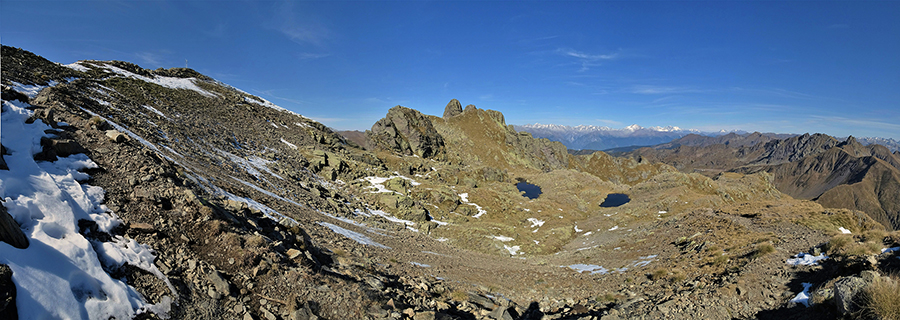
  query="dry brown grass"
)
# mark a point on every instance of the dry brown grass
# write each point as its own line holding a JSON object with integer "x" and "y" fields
{"x": 838, "y": 243}
{"x": 881, "y": 299}
{"x": 658, "y": 274}
{"x": 762, "y": 250}
{"x": 459, "y": 296}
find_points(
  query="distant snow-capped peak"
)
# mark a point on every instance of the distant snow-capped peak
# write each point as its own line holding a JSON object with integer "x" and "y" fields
{"x": 592, "y": 128}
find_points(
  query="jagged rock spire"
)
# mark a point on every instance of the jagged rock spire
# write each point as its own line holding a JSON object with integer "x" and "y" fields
{"x": 453, "y": 108}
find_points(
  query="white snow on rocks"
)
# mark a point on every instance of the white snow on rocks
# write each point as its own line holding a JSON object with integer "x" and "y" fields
{"x": 513, "y": 250}
{"x": 590, "y": 268}
{"x": 355, "y": 236}
{"x": 803, "y": 296}
{"x": 61, "y": 274}
{"x": 535, "y": 222}
{"x": 156, "y": 112}
{"x": 805, "y": 259}
{"x": 168, "y": 82}
{"x": 465, "y": 199}
{"x": 77, "y": 67}
{"x": 843, "y": 230}
{"x": 293, "y": 146}
{"x": 30, "y": 90}
{"x": 251, "y": 164}
{"x": 378, "y": 183}
{"x": 503, "y": 238}
{"x": 613, "y": 228}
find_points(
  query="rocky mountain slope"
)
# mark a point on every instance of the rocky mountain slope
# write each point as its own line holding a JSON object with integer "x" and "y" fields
{"x": 837, "y": 174}
{"x": 201, "y": 201}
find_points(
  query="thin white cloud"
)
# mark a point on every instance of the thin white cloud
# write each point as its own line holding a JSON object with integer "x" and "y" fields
{"x": 297, "y": 29}
{"x": 310, "y": 56}
{"x": 654, "y": 89}
{"x": 150, "y": 58}
{"x": 863, "y": 123}
{"x": 609, "y": 122}
{"x": 587, "y": 60}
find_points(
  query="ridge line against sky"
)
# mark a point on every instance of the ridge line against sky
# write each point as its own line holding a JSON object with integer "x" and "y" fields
{"x": 788, "y": 67}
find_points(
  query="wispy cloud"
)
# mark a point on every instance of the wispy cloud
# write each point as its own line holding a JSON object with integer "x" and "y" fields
{"x": 587, "y": 60}
{"x": 608, "y": 122}
{"x": 300, "y": 31}
{"x": 310, "y": 55}
{"x": 654, "y": 89}
{"x": 218, "y": 31}
{"x": 269, "y": 94}
{"x": 862, "y": 123}
{"x": 152, "y": 59}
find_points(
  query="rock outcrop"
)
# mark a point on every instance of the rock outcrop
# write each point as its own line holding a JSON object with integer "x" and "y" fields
{"x": 406, "y": 131}
{"x": 453, "y": 108}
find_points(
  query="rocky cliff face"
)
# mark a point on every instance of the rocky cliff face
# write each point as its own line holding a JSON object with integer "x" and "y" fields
{"x": 406, "y": 131}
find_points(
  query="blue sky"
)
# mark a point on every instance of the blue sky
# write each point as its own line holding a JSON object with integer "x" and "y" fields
{"x": 787, "y": 67}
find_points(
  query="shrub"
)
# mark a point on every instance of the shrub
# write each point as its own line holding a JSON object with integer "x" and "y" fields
{"x": 874, "y": 235}
{"x": 881, "y": 299}
{"x": 658, "y": 274}
{"x": 837, "y": 243}
{"x": 761, "y": 250}
{"x": 459, "y": 296}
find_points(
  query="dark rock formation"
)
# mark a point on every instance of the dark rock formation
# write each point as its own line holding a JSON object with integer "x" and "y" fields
{"x": 406, "y": 131}
{"x": 7, "y": 294}
{"x": 10, "y": 231}
{"x": 453, "y": 108}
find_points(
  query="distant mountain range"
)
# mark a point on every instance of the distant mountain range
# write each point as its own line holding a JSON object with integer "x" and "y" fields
{"x": 602, "y": 138}
{"x": 590, "y": 138}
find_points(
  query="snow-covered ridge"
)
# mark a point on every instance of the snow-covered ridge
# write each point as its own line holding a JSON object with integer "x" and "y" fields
{"x": 168, "y": 82}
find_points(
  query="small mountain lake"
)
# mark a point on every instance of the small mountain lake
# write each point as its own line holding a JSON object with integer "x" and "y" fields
{"x": 615, "y": 200}
{"x": 531, "y": 191}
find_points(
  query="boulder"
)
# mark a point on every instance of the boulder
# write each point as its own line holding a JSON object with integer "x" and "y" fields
{"x": 116, "y": 136}
{"x": 7, "y": 294}
{"x": 405, "y": 131}
{"x": 222, "y": 286}
{"x": 3, "y": 165}
{"x": 10, "y": 232}
{"x": 453, "y": 108}
{"x": 397, "y": 184}
{"x": 845, "y": 292}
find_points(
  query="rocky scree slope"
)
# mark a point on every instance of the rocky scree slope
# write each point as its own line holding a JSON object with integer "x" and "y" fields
{"x": 255, "y": 212}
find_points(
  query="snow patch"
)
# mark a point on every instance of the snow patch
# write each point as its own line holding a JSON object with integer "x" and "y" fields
{"x": 591, "y": 268}
{"x": 844, "y": 231}
{"x": 168, "y": 82}
{"x": 804, "y": 259}
{"x": 293, "y": 146}
{"x": 503, "y": 238}
{"x": 61, "y": 274}
{"x": 803, "y": 296}
{"x": 355, "y": 236}
{"x": 535, "y": 222}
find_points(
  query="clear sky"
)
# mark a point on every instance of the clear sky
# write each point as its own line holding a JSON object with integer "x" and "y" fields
{"x": 787, "y": 67}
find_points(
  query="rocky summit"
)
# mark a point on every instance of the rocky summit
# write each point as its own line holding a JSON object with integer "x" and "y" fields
{"x": 166, "y": 194}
